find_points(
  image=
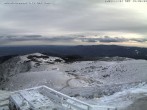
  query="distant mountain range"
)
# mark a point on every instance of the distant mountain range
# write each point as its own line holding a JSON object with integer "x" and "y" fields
{"x": 80, "y": 52}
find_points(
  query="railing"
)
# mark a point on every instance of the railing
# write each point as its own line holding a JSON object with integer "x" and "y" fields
{"x": 69, "y": 102}
{"x": 66, "y": 102}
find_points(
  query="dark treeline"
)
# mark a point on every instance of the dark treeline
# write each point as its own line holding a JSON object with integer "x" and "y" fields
{"x": 74, "y": 53}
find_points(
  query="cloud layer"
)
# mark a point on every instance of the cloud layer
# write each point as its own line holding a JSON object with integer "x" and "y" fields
{"x": 61, "y": 17}
{"x": 68, "y": 39}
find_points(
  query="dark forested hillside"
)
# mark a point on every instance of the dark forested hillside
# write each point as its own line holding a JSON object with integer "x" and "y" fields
{"x": 76, "y": 52}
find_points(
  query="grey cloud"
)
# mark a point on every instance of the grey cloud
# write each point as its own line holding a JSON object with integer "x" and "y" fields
{"x": 68, "y": 38}
{"x": 89, "y": 40}
{"x": 141, "y": 40}
{"x": 38, "y": 38}
{"x": 108, "y": 39}
{"x": 35, "y": 18}
{"x": 32, "y": 36}
{"x": 68, "y": 16}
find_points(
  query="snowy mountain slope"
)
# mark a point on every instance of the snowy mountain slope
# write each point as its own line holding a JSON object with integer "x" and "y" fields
{"x": 97, "y": 82}
{"x": 21, "y": 64}
{"x": 54, "y": 79}
{"x": 107, "y": 73}
{"x": 81, "y": 74}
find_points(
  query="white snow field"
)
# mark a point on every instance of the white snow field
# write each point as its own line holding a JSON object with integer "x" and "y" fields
{"x": 120, "y": 84}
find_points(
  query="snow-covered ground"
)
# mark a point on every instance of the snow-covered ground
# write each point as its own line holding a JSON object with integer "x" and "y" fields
{"x": 115, "y": 83}
{"x": 124, "y": 100}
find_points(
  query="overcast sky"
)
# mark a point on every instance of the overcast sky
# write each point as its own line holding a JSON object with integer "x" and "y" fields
{"x": 72, "y": 22}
